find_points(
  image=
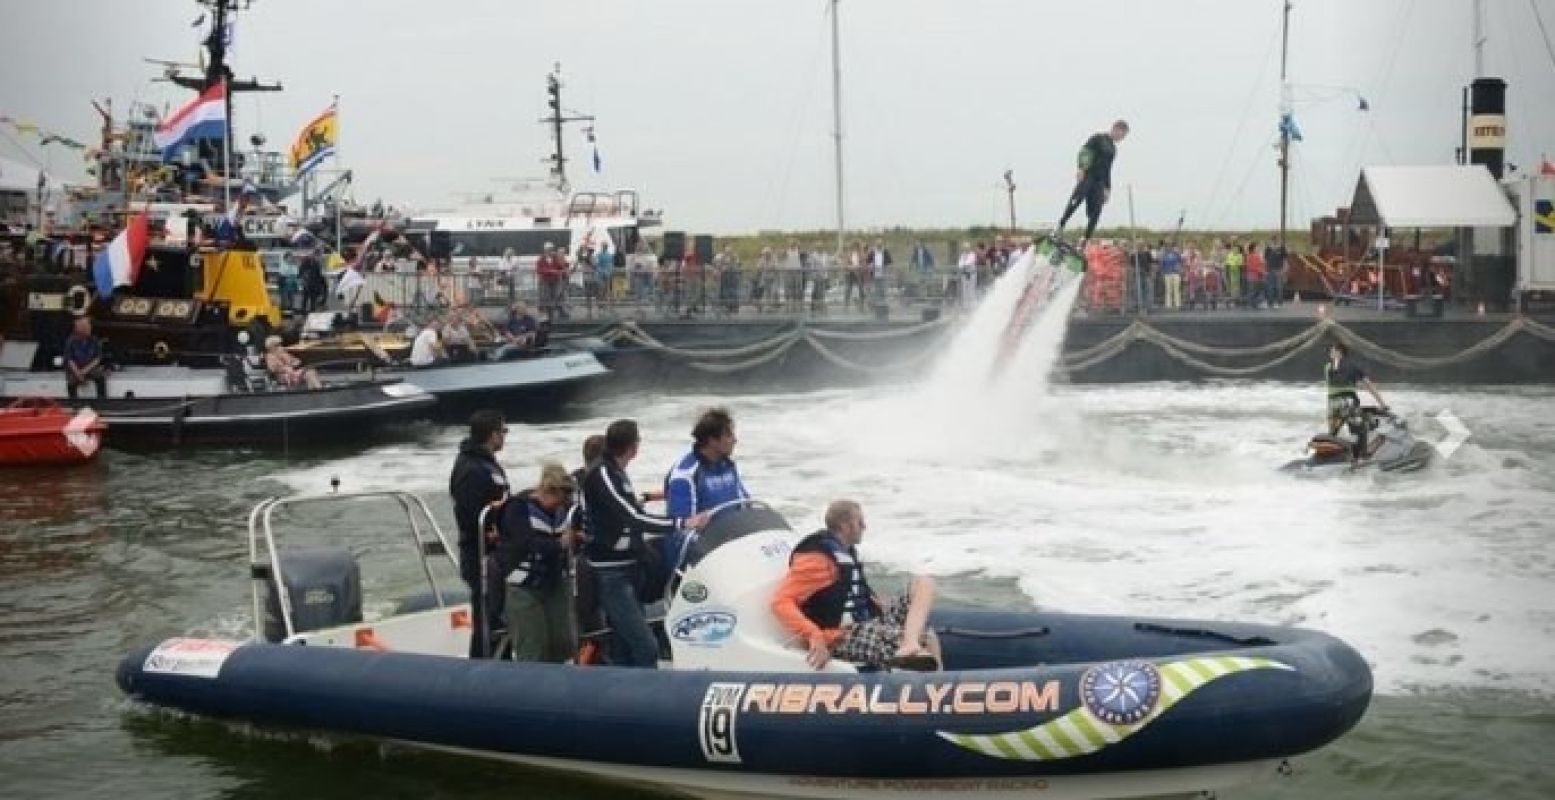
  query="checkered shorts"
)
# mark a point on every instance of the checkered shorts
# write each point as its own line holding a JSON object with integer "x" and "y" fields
{"x": 876, "y": 641}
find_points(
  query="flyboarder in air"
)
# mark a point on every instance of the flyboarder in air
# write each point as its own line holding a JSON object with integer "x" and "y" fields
{"x": 1093, "y": 181}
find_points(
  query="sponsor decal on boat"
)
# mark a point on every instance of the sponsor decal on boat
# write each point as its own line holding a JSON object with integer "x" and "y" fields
{"x": 706, "y": 628}
{"x": 1117, "y": 700}
{"x": 724, "y": 703}
{"x": 930, "y": 697}
{"x": 693, "y": 592}
{"x": 929, "y": 785}
{"x": 715, "y": 723}
{"x": 200, "y": 658}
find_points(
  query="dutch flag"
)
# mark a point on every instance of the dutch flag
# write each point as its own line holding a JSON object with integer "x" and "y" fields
{"x": 204, "y": 117}
{"x": 119, "y": 264}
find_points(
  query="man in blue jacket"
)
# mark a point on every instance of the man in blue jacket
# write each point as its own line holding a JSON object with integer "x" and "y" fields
{"x": 706, "y": 477}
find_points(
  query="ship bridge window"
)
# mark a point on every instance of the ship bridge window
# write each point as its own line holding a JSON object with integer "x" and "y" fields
{"x": 493, "y": 244}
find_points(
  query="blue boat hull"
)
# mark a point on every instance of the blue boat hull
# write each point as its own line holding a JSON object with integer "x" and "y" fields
{"x": 1100, "y": 695}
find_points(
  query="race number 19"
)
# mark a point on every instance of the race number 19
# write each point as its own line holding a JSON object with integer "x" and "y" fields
{"x": 716, "y": 722}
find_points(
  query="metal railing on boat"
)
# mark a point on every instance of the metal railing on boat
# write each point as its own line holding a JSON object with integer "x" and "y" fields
{"x": 426, "y": 536}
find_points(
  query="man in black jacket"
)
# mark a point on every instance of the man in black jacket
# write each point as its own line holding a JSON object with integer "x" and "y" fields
{"x": 477, "y": 481}
{"x": 616, "y": 550}
{"x": 1093, "y": 177}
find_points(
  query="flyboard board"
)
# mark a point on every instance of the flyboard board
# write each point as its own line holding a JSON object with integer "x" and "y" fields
{"x": 1056, "y": 263}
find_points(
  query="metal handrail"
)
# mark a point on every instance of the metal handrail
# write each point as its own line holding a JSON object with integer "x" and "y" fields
{"x": 260, "y": 527}
{"x": 677, "y": 568}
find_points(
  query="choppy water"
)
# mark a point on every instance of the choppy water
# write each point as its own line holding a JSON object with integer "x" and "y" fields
{"x": 1154, "y": 499}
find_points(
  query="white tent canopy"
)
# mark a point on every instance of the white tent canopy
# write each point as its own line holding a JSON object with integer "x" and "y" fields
{"x": 1431, "y": 197}
{"x": 18, "y": 177}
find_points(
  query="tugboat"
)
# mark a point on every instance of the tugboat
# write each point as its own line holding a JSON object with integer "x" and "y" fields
{"x": 180, "y": 291}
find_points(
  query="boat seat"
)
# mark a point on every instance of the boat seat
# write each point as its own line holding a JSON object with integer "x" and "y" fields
{"x": 720, "y": 616}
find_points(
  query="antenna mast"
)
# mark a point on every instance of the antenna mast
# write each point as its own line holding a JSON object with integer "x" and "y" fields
{"x": 1286, "y": 121}
{"x": 558, "y": 119}
{"x": 836, "y": 94}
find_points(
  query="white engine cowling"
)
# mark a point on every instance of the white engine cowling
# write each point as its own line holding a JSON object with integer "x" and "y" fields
{"x": 721, "y": 614}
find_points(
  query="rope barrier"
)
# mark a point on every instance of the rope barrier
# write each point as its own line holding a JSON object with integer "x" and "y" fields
{"x": 726, "y": 360}
{"x": 1184, "y": 351}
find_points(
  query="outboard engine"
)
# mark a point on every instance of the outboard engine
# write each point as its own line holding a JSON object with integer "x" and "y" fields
{"x": 325, "y": 589}
{"x": 720, "y": 614}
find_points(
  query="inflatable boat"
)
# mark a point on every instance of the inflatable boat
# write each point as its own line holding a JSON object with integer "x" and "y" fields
{"x": 1029, "y": 704}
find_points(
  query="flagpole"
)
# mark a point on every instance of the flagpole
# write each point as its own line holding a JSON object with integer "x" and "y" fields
{"x": 339, "y": 237}
{"x": 226, "y": 155}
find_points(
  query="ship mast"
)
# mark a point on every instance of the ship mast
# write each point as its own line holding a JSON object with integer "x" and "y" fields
{"x": 1286, "y": 110}
{"x": 557, "y": 119}
{"x": 836, "y": 93}
{"x": 217, "y": 70}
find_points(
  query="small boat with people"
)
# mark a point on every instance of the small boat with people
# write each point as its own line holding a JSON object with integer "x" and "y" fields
{"x": 1065, "y": 705}
{"x": 36, "y": 431}
{"x": 485, "y": 371}
{"x": 240, "y": 404}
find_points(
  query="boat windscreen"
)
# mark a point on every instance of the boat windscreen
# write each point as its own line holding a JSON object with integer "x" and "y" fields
{"x": 731, "y": 524}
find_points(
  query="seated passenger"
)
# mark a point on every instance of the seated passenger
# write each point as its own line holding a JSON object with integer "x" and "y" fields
{"x": 537, "y": 540}
{"x": 826, "y": 601}
{"x": 521, "y": 327}
{"x": 520, "y": 334}
{"x": 84, "y": 360}
{"x": 426, "y": 350}
{"x": 457, "y": 341}
{"x": 287, "y": 369}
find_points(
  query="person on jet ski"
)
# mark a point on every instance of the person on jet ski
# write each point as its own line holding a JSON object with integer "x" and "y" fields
{"x": 1341, "y": 375}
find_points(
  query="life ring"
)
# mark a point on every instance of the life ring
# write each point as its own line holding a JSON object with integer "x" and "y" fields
{"x": 161, "y": 351}
{"x": 79, "y": 300}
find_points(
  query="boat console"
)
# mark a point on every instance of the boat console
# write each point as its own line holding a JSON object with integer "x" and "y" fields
{"x": 719, "y": 612}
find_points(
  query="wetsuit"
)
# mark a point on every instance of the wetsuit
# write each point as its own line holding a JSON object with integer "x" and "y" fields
{"x": 1095, "y": 159}
{"x": 1343, "y": 403}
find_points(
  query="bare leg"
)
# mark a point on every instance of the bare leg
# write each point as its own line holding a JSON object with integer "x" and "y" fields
{"x": 920, "y": 598}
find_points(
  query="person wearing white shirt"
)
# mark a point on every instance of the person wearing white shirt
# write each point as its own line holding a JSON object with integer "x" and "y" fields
{"x": 968, "y": 269}
{"x": 426, "y": 350}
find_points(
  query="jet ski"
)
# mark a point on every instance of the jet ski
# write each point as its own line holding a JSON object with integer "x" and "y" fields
{"x": 1390, "y": 447}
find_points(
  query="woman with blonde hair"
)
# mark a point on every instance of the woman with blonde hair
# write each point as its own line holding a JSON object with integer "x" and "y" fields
{"x": 286, "y": 368}
{"x": 538, "y": 536}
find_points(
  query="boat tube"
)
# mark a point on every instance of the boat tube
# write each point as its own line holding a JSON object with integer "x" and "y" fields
{"x": 1067, "y": 705}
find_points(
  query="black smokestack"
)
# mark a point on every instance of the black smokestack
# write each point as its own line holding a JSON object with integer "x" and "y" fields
{"x": 1487, "y": 124}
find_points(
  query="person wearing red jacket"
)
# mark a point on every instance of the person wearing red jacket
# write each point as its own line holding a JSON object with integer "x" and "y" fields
{"x": 551, "y": 270}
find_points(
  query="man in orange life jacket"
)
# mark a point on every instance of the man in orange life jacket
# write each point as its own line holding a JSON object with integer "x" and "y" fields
{"x": 826, "y": 601}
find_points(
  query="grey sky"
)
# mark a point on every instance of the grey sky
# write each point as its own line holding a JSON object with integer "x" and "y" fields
{"x": 720, "y": 110}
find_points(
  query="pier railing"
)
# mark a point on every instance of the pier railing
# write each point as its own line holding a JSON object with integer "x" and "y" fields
{"x": 705, "y": 293}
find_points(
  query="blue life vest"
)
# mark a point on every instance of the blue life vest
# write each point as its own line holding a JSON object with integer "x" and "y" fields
{"x": 523, "y": 519}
